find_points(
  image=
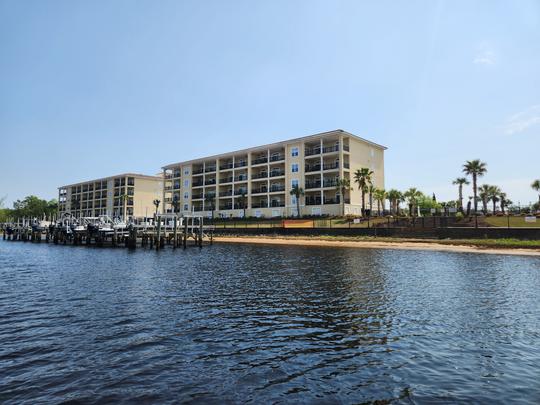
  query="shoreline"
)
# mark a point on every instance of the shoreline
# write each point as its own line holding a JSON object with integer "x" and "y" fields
{"x": 379, "y": 244}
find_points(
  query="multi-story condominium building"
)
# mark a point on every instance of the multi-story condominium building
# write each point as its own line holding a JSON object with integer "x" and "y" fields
{"x": 125, "y": 195}
{"x": 258, "y": 180}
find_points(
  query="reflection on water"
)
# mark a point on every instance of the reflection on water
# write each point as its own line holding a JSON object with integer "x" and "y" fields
{"x": 240, "y": 323}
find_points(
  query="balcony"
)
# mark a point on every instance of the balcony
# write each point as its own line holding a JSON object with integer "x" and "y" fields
{"x": 261, "y": 190}
{"x": 209, "y": 182}
{"x": 210, "y": 169}
{"x": 262, "y": 175}
{"x": 275, "y": 204}
{"x": 197, "y": 184}
{"x": 198, "y": 196}
{"x": 168, "y": 188}
{"x": 167, "y": 176}
{"x": 313, "y": 168}
{"x": 259, "y": 161}
{"x": 346, "y": 148}
{"x": 225, "y": 193}
{"x": 330, "y": 183}
{"x": 313, "y": 201}
{"x": 276, "y": 188}
{"x": 198, "y": 171}
{"x": 313, "y": 184}
{"x": 330, "y": 149}
{"x": 242, "y": 177}
{"x": 312, "y": 151}
{"x": 261, "y": 204}
{"x": 177, "y": 173}
{"x": 331, "y": 166}
{"x": 277, "y": 158}
{"x": 346, "y": 165}
{"x": 240, "y": 191}
{"x": 226, "y": 166}
{"x": 225, "y": 180}
{"x": 277, "y": 173}
{"x": 242, "y": 163}
{"x": 226, "y": 206}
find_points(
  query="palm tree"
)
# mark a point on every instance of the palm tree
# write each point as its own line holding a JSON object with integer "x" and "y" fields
{"x": 380, "y": 196}
{"x": 412, "y": 195}
{"x": 124, "y": 198}
{"x": 342, "y": 186}
{"x": 176, "y": 203}
{"x": 484, "y": 193}
{"x": 460, "y": 181}
{"x": 371, "y": 190}
{"x": 494, "y": 193}
{"x": 504, "y": 201}
{"x": 156, "y": 203}
{"x": 297, "y": 192}
{"x": 394, "y": 196}
{"x": 210, "y": 199}
{"x": 536, "y": 187}
{"x": 362, "y": 177}
{"x": 475, "y": 168}
{"x": 242, "y": 202}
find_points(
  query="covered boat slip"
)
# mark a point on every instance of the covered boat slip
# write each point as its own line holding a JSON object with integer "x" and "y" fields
{"x": 156, "y": 232}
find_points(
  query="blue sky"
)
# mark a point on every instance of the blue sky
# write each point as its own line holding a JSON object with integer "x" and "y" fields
{"x": 95, "y": 88}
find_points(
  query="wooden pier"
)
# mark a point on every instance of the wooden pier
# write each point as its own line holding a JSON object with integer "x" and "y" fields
{"x": 156, "y": 233}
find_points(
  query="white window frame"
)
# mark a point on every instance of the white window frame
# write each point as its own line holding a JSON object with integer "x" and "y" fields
{"x": 294, "y": 151}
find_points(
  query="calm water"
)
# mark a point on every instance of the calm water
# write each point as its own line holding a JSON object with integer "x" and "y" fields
{"x": 241, "y": 323}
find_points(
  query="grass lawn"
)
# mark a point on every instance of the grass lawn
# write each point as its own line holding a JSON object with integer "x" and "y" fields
{"x": 515, "y": 222}
{"x": 317, "y": 223}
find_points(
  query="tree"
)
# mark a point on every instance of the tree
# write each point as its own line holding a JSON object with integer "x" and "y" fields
{"x": 176, "y": 203}
{"x": 242, "y": 202}
{"x": 494, "y": 193}
{"x": 124, "y": 198}
{"x": 342, "y": 186}
{"x": 475, "y": 168}
{"x": 371, "y": 190}
{"x": 156, "y": 203}
{"x": 484, "y": 193}
{"x": 504, "y": 201}
{"x": 362, "y": 177}
{"x": 297, "y": 192}
{"x": 536, "y": 186}
{"x": 394, "y": 196}
{"x": 380, "y": 196}
{"x": 210, "y": 199}
{"x": 412, "y": 195}
{"x": 460, "y": 182}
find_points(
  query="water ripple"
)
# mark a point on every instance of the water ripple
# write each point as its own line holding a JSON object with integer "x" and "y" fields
{"x": 257, "y": 324}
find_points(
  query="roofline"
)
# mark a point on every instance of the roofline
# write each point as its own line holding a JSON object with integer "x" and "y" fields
{"x": 294, "y": 140}
{"x": 136, "y": 175}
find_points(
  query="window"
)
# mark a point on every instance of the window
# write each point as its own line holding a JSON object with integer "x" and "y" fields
{"x": 186, "y": 207}
{"x": 294, "y": 183}
{"x": 295, "y": 168}
{"x": 293, "y": 200}
{"x": 186, "y": 171}
{"x": 294, "y": 152}
{"x": 186, "y": 183}
{"x": 186, "y": 196}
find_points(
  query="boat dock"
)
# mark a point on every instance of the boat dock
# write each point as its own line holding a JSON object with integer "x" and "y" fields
{"x": 155, "y": 233}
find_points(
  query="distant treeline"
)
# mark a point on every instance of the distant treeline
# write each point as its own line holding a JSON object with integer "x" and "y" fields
{"x": 30, "y": 207}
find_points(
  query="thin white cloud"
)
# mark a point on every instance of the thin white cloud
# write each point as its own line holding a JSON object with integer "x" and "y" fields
{"x": 485, "y": 57}
{"x": 523, "y": 120}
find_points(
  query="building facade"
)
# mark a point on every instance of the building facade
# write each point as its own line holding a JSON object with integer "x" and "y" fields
{"x": 125, "y": 195}
{"x": 257, "y": 181}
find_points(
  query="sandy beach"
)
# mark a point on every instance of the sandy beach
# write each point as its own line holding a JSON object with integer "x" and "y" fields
{"x": 432, "y": 246}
